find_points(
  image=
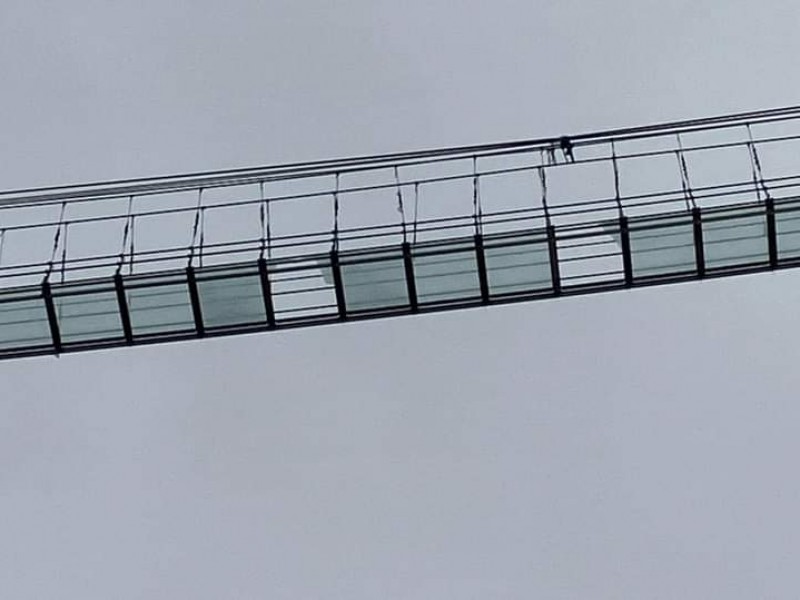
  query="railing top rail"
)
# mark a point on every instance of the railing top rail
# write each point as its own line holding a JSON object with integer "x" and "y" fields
{"x": 231, "y": 177}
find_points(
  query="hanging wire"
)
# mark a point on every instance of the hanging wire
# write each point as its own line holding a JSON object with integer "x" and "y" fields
{"x": 685, "y": 182}
{"x": 64, "y": 252}
{"x": 543, "y": 183}
{"x": 336, "y": 215}
{"x": 196, "y": 225}
{"x": 125, "y": 233}
{"x": 202, "y": 234}
{"x": 133, "y": 247}
{"x": 262, "y": 220}
{"x": 755, "y": 163}
{"x": 477, "y": 209}
{"x": 400, "y": 206}
{"x": 617, "y": 194}
{"x": 548, "y": 156}
{"x": 416, "y": 211}
{"x": 56, "y": 239}
{"x": 266, "y": 220}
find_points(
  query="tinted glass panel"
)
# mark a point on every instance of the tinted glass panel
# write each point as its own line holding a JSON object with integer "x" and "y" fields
{"x": 518, "y": 267}
{"x": 92, "y": 315}
{"x": 235, "y": 300}
{"x": 452, "y": 275}
{"x": 662, "y": 247}
{"x": 787, "y": 227}
{"x": 735, "y": 241}
{"x": 375, "y": 284}
{"x": 161, "y": 308}
{"x": 23, "y": 323}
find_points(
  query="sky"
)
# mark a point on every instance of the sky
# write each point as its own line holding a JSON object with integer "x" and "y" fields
{"x": 630, "y": 445}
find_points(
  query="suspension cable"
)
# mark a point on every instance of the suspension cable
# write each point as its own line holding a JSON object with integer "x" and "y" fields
{"x": 196, "y": 226}
{"x": 266, "y": 223}
{"x": 125, "y": 233}
{"x": 64, "y": 252}
{"x": 400, "y": 206}
{"x": 416, "y": 211}
{"x": 617, "y": 194}
{"x": 755, "y": 163}
{"x": 477, "y": 208}
{"x": 685, "y": 182}
{"x": 56, "y": 239}
{"x": 543, "y": 184}
{"x": 336, "y": 215}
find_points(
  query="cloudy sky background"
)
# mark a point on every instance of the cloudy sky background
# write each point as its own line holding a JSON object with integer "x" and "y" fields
{"x": 630, "y": 445}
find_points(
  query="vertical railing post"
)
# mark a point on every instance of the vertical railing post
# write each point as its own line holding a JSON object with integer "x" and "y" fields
{"x": 122, "y": 304}
{"x": 699, "y": 251}
{"x": 338, "y": 285}
{"x": 555, "y": 271}
{"x": 483, "y": 278}
{"x": 194, "y": 297}
{"x": 52, "y": 315}
{"x": 266, "y": 291}
{"x": 772, "y": 233}
{"x": 625, "y": 244}
{"x": 411, "y": 282}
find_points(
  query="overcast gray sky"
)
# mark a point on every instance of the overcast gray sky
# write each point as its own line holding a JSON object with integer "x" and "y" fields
{"x": 631, "y": 445}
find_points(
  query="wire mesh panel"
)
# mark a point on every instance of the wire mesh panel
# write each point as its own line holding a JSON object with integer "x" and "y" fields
{"x": 23, "y": 321}
{"x": 87, "y": 311}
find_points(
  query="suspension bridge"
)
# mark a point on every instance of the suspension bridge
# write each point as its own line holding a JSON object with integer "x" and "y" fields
{"x": 160, "y": 259}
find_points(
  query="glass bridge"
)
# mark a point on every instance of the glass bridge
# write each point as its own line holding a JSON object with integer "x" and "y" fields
{"x": 217, "y": 253}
